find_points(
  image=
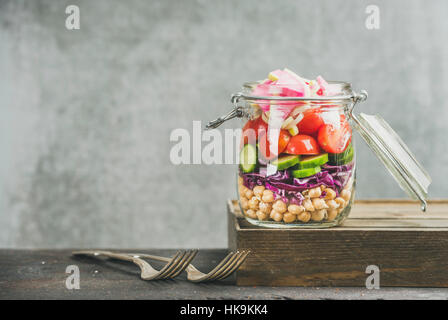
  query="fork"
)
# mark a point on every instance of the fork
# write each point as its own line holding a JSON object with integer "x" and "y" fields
{"x": 224, "y": 269}
{"x": 172, "y": 269}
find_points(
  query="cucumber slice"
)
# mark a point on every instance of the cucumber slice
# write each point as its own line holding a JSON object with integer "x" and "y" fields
{"x": 349, "y": 157}
{"x": 248, "y": 158}
{"x": 343, "y": 154}
{"x": 338, "y": 159}
{"x": 285, "y": 162}
{"x": 313, "y": 161}
{"x": 303, "y": 173}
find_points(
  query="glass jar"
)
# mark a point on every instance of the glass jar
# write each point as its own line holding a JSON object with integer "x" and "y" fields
{"x": 297, "y": 160}
{"x": 297, "y": 155}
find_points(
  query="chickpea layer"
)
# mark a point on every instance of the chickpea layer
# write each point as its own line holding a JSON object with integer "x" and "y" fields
{"x": 320, "y": 204}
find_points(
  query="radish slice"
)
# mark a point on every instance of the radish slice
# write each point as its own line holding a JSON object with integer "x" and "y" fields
{"x": 275, "y": 75}
{"x": 286, "y": 83}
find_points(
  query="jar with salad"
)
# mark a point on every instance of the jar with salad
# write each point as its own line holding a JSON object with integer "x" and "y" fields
{"x": 297, "y": 155}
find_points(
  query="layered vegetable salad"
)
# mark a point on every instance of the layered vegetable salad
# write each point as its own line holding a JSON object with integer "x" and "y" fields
{"x": 297, "y": 157}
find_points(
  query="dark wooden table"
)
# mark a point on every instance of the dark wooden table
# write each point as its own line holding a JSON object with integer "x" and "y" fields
{"x": 41, "y": 274}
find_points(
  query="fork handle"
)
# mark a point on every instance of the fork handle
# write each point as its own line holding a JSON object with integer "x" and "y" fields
{"x": 150, "y": 256}
{"x": 96, "y": 253}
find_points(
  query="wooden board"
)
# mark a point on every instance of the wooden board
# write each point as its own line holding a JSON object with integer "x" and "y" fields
{"x": 409, "y": 247}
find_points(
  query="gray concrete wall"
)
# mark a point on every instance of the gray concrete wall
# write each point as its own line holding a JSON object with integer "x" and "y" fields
{"x": 86, "y": 115}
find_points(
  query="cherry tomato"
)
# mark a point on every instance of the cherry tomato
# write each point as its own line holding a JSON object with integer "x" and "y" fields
{"x": 335, "y": 140}
{"x": 311, "y": 122}
{"x": 302, "y": 144}
{"x": 283, "y": 140}
{"x": 264, "y": 146}
{"x": 252, "y": 130}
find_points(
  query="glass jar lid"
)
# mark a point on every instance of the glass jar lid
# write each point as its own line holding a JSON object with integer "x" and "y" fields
{"x": 341, "y": 91}
{"x": 393, "y": 153}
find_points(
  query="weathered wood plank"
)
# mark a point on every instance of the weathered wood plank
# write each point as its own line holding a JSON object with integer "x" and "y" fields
{"x": 409, "y": 251}
{"x": 398, "y": 209}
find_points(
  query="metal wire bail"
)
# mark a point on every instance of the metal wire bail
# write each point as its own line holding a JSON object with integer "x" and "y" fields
{"x": 236, "y": 112}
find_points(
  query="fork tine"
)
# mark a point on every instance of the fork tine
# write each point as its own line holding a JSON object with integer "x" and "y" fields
{"x": 173, "y": 266}
{"x": 219, "y": 266}
{"x": 228, "y": 266}
{"x": 168, "y": 265}
{"x": 179, "y": 264}
{"x": 225, "y": 267}
{"x": 234, "y": 267}
{"x": 186, "y": 263}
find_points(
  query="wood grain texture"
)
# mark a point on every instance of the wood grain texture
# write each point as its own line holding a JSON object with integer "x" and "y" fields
{"x": 408, "y": 246}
